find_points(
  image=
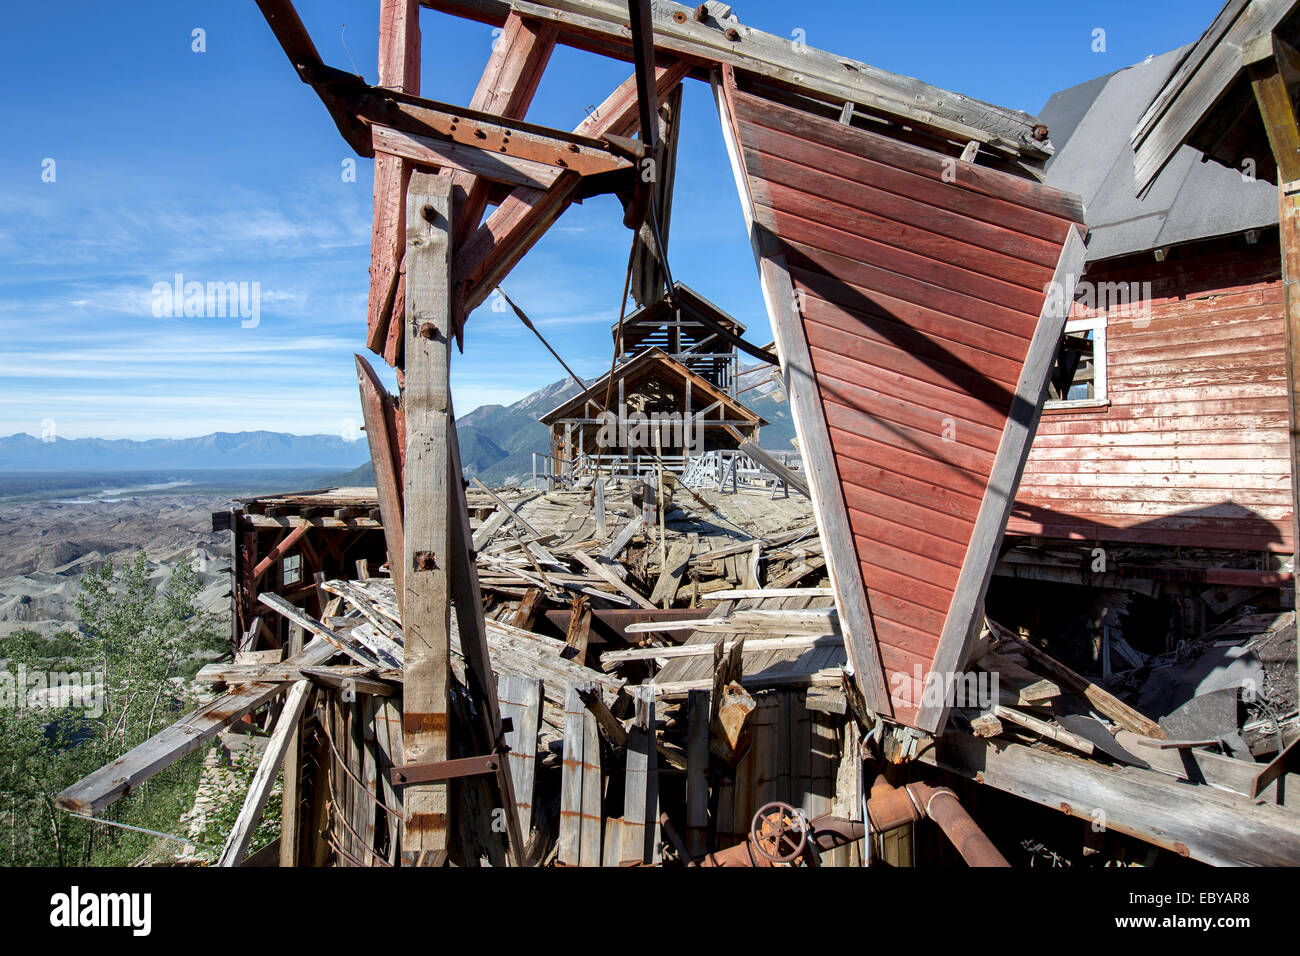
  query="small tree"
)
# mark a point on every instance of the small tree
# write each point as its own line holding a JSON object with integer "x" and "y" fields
{"x": 139, "y": 637}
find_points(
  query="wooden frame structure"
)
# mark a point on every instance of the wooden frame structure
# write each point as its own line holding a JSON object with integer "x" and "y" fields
{"x": 684, "y": 406}
{"x": 917, "y": 300}
{"x": 436, "y": 256}
{"x": 489, "y": 152}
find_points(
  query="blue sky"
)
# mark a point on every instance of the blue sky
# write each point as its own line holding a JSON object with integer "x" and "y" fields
{"x": 221, "y": 166}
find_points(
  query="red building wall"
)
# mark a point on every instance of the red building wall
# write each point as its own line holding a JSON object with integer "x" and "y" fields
{"x": 1193, "y": 448}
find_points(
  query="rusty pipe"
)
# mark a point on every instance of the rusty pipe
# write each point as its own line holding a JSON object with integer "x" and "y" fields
{"x": 888, "y": 809}
{"x": 942, "y": 806}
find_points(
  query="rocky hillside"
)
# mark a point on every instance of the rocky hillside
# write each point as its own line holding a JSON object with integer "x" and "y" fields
{"x": 46, "y": 547}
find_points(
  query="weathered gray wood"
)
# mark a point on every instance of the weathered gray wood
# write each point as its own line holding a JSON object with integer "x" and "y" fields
{"x": 697, "y": 772}
{"x": 489, "y": 528}
{"x": 352, "y": 679}
{"x": 379, "y": 414}
{"x": 480, "y": 679}
{"x": 623, "y": 538}
{"x": 604, "y": 572}
{"x": 593, "y": 819}
{"x": 598, "y": 496}
{"x": 521, "y": 702}
{"x": 1043, "y": 728}
{"x": 611, "y": 658}
{"x": 236, "y": 848}
{"x": 579, "y": 785}
{"x": 341, "y": 642}
{"x": 773, "y": 464}
{"x": 671, "y": 574}
{"x": 965, "y": 613}
{"x": 1213, "y": 826}
{"x": 426, "y": 600}
{"x": 514, "y": 515}
{"x": 1199, "y": 83}
{"x": 814, "y": 621}
{"x": 640, "y": 831}
{"x": 291, "y": 800}
{"x": 601, "y": 25}
{"x": 388, "y": 737}
{"x": 814, "y": 439}
{"x": 100, "y": 788}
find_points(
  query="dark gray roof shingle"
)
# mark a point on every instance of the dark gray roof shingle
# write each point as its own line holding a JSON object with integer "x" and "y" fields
{"x": 1191, "y": 199}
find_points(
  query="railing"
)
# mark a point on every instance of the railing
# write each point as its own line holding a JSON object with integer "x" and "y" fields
{"x": 557, "y": 471}
{"x": 734, "y": 468}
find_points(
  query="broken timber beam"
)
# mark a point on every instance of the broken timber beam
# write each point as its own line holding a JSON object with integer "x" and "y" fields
{"x": 113, "y": 780}
{"x": 379, "y": 412}
{"x": 399, "y": 69}
{"x": 601, "y": 26}
{"x": 525, "y": 215}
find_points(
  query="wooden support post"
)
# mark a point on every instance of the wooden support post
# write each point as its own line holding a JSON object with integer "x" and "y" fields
{"x": 521, "y": 701}
{"x": 697, "y": 773}
{"x": 1266, "y": 59}
{"x": 241, "y": 834}
{"x": 291, "y": 800}
{"x": 426, "y": 602}
{"x": 640, "y": 830}
{"x": 472, "y": 629}
{"x": 599, "y": 501}
{"x": 580, "y": 791}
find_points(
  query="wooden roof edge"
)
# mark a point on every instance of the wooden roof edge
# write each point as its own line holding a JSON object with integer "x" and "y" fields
{"x": 600, "y": 26}
{"x": 645, "y": 313}
{"x": 645, "y": 357}
{"x": 1199, "y": 82}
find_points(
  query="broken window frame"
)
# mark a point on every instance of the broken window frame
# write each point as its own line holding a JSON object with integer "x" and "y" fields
{"x": 1100, "y": 397}
{"x": 291, "y": 564}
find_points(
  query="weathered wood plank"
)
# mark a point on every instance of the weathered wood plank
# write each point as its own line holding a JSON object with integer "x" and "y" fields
{"x": 100, "y": 788}
{"x": 259, "y": 790}
{"x": 426, "y": 599}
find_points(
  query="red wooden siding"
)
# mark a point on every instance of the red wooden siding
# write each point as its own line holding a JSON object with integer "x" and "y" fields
{"x": 1194, "y": 448}
{"x": 918, "y": 298}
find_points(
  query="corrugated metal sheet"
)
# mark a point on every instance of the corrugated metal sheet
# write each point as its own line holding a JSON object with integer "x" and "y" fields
{"x": 1194, "y": 447}
{"x": 920, "y": 282}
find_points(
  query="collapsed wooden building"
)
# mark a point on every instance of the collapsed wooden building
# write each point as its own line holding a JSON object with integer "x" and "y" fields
{"x": 630, "y": 668}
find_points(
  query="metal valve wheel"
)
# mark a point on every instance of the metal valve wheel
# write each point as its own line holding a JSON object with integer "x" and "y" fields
{"x": 779, "y": 832}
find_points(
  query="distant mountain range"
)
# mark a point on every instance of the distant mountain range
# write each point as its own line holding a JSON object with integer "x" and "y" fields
{"x": 224, "y": 450}
{"x": 496, "y": 443}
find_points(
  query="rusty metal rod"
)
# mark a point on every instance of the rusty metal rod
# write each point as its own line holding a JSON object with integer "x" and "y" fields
{"x": 888, "y": 810}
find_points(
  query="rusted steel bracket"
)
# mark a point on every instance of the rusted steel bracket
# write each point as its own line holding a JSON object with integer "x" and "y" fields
{"x": 444, "y": 769}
